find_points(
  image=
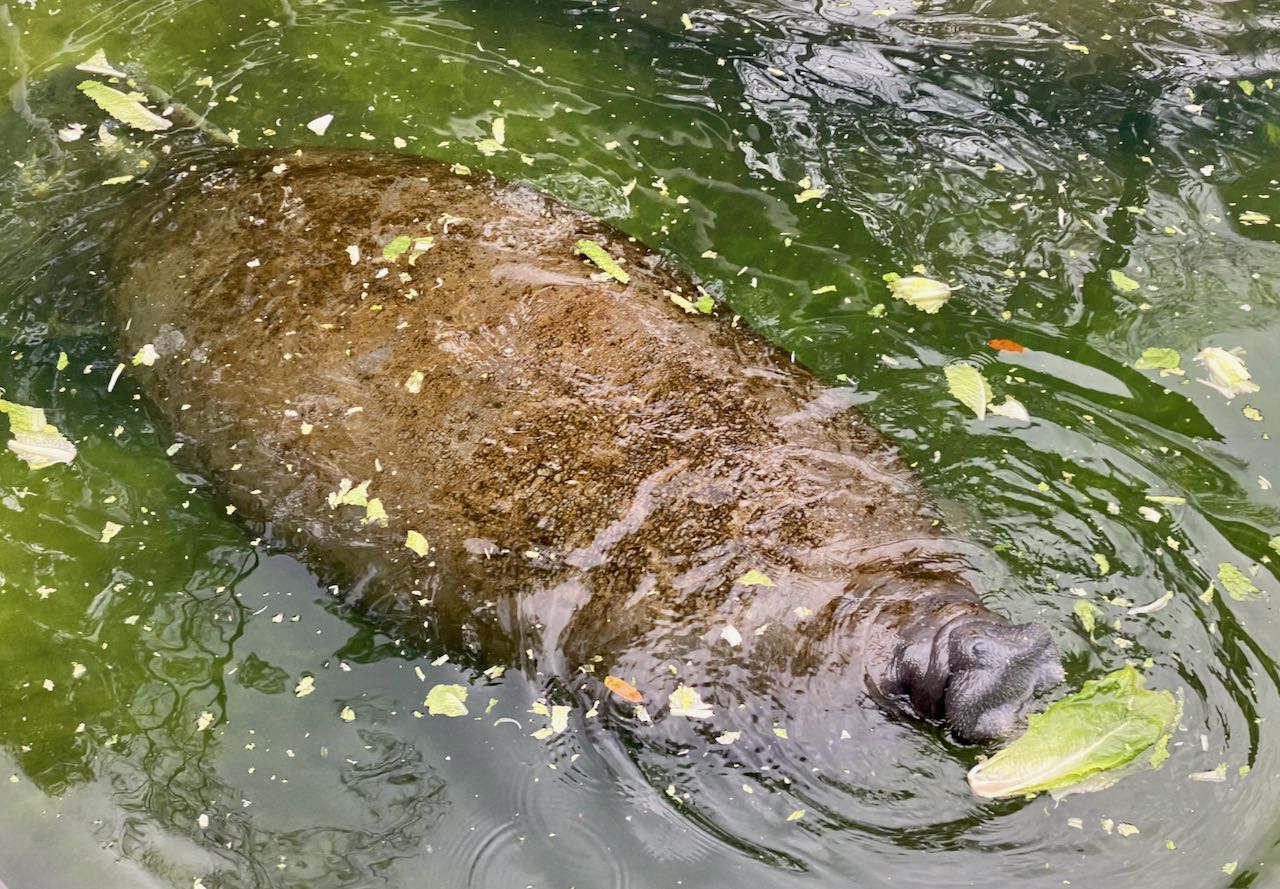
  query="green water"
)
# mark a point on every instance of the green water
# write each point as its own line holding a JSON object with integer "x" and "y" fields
{"x": 974, "y": 138}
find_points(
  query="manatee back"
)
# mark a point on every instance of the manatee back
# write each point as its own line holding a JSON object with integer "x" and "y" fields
{"x": 581, "y": 448}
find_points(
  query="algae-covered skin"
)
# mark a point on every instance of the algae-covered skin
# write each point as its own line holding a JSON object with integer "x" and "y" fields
{"x": 593, "y": 469}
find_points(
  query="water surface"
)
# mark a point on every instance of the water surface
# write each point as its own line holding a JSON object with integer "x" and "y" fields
{"x": 1025, "y": 152}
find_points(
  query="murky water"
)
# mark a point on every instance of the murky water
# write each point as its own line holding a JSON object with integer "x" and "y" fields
{"x": 1026, "y": 152}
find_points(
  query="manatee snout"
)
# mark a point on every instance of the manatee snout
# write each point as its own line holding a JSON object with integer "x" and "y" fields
{"x": 994, "y": 670}
{"x": 975, "y": 672}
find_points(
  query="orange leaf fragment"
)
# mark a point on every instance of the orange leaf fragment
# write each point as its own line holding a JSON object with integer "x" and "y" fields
{"x": 1006, "y": 346}
{"x": 623, "y": 689}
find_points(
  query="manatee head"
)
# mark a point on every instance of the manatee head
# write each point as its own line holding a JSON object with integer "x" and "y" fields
{"x": 975, "y": 672}
{"x": 995, "y": 668}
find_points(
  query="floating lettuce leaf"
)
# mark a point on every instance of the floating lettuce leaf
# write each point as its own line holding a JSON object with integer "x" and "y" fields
{"x": 447, "y": 700}
{"x": 755, "y": 577}
{"x": 685, "y": 701}
{"x": 346, "y": 495}
{"x": 34, "y": 439}
{"x": 398, "y": 246}
{"x": 1088, "y": 614}
{"x": 925, "y": 294}
{"x": 416, "y": 542}
{"x": 1109, "y": 723}
{"x": 98, "y": 64}
{"x": 969, "y": 387}
{"x": 374, "y": 512}
{"x": 1158, "y": 359}
{"x": 1012, "y": 408}
{"x": 146, "y": 355}
{"x": 606, "y": 263}
{"x": 1237, "y": 584}
{"x": 124, "y": 107}
{"x": 1123, "y": 282}
{"x": 704, "y": 304}
{"x": 1227, "y": 372}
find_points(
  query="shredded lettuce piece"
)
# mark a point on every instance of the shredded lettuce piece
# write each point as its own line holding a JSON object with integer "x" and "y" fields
{"x": 124, "y": 107}
{"x": 606, "y": 263}
{"x": 34, "y": 439}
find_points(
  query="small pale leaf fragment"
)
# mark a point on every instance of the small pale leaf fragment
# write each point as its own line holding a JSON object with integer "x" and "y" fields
{"x": 969, "y": 387}
{"x": 1236, "y": 583}
{"x": 1012, "y": 408}
{"x": 110, "y": 530}
{"x": 1158, "y": 359}
{"x": 397, "y": 247}
{"x": 374, "y": 513}
{"x": 147, "y": 355}
{"x": 702, "y": 305}
{"x": 606, "y": 263}
{"x": 416, "y": 542}
{"x": 925, "y": 294}
{"x": 320, "y": 124}
{"x": 1227, "y": 372}
{"x": 1088, "y": 614}
{"x": 754, "y": 577}
{"x": 414, "y": 383}
{"x": 796, "y": 815}
{"x": 124, "y": 107}
{"x": 306, "y": 685}
{"x": 347, "y": 715}
{"x": 35, "y": 440}
{"x": 685, "y": 701}
{"x": 98, "y": 64}
{"x": 346, "y": 495}
{"x": 1123, "y": 282}
{"x": 447, "y": 700}
{"x": 1212, "y": 776}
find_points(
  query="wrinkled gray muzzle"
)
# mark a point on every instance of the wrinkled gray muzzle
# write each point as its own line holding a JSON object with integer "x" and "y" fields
{"x": 978, "y": 674}
{"x": 996, "y": 669}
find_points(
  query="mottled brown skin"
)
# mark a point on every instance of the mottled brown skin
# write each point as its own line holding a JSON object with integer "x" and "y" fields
{"x": 593, "y": 467}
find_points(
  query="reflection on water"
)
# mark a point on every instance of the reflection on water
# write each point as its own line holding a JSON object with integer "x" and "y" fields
{"x": 152, "y": 723}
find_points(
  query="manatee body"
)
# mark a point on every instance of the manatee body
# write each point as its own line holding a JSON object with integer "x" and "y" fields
{"x": 607, "y": 484}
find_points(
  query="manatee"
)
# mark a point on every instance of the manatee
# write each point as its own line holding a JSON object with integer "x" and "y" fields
{"x": 566, "y": 472}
